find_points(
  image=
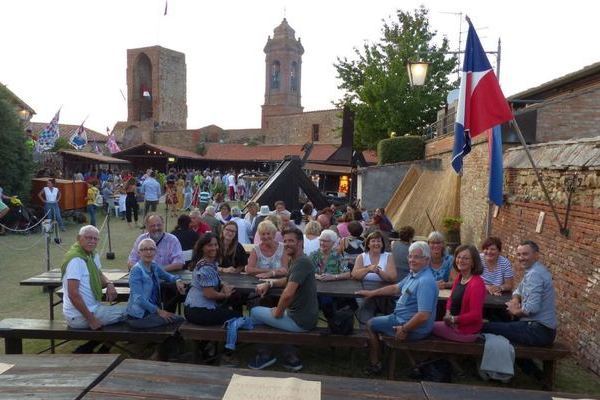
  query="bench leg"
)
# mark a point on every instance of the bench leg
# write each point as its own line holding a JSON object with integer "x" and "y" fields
{"x": 13, "y": 346}
{"x": 549, "y": 374}
{"x": 392, "y": 364}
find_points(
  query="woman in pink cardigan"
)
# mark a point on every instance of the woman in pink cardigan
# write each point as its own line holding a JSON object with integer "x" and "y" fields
{"x": 464, "y": 308}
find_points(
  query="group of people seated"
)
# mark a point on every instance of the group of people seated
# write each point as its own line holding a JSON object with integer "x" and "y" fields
{"x": 404, "y": 305}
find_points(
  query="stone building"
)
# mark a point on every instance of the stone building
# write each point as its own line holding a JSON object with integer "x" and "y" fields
{"x": 157, "y": 108}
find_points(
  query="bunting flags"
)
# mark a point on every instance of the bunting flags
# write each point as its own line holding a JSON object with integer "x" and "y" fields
{"x": 49, "y": 134}
{"x": 78, "y": 138}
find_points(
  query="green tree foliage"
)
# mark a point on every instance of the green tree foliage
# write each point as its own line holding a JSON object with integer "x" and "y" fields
{"x": 16, "y": 164}
{"x": 398, "y": 149}
{"x": 376, "y": 82}
{"x": 60, "y": 144}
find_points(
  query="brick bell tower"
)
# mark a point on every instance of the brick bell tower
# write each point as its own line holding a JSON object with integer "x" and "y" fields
{"x": 156, "y": 88}
{"x": 283, "y": 73}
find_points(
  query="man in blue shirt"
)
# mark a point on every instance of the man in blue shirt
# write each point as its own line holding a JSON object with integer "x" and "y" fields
{"x": 151, "y": 190}
{"x": 415, "y": 309}
{"x": 532, "y": 305}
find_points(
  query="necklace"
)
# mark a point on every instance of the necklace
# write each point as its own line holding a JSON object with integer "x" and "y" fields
{"x": 464, "y": 280}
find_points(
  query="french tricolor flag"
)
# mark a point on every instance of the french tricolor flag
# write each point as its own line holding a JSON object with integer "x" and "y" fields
{"x": 481, "y": 106}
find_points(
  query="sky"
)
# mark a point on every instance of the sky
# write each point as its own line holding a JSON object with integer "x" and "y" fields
{"x": 72, "y": 53}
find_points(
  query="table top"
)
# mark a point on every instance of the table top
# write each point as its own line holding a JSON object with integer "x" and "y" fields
{"x": 136, "y": 379}
{"x": 247, "y": 284}
{"x": 58, "y": 376}
{"x": 448, "y": 391}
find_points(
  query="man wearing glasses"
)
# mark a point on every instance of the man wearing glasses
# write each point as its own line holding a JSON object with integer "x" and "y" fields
{"x": 83, "y": 281}
{"x": 415, "y": 309}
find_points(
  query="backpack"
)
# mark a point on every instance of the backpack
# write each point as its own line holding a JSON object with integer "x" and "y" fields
{"x": 438, "y": 370}
{"x": 341, "y": 322}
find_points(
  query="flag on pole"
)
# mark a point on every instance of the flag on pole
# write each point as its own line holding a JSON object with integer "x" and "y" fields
{"x": 49, "y": 134}
{"x": 166, "y": 4}
{"x": 78, "y": 138}
{"x": 481, "y": 106}
{"x": 111, "y": 144}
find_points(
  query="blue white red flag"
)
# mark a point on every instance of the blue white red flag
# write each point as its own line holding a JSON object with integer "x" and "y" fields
{"x": 49, "y": 134}
{"x": 79, "y": 138}
{"x": 481, "y": 106}
{"x": 495, "y": 166}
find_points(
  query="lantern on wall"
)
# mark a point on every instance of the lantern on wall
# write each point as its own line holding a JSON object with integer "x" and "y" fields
{"x": 344, "y": 184}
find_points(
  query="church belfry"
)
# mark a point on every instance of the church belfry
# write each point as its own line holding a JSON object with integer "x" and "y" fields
{"x": 283, "y": 73}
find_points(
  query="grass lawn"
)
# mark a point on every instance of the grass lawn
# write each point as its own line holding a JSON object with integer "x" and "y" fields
{"x": 22, "y": 256}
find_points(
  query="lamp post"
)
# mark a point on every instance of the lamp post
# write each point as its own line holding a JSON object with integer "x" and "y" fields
{"x": 417, "y": 72}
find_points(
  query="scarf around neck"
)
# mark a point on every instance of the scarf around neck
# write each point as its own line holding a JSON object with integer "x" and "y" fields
{"x": 76, "y": 251}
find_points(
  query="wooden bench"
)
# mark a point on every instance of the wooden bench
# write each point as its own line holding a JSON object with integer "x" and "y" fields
{"x": 14, "y": 330}
{"x": 548, "y": 355}
{"x": 319, "y": 337}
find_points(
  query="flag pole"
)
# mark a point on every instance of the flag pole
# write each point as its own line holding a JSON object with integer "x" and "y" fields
{"x": 488, "y": 224}
{"x": 562, "y": 229}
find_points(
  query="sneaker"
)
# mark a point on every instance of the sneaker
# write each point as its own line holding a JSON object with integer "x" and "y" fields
{"x": 373, "y": 369}
{"x": 262, "y": 361}
{"x": 293, "y": 365}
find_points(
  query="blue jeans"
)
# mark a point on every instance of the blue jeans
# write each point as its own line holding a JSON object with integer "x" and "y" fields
{"x": 152, "y": 321}
{"x": 529, "y": 333}
{"x": 91, "y": 209}
{"x": 262, "y": 315}
{"x": 385, "y": 324}
{"x": 54, "y": 213}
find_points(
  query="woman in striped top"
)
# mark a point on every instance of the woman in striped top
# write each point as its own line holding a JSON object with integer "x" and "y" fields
{"x": 497, "y": 270}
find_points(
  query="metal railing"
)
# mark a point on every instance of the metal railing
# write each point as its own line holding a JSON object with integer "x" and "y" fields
{"x": 441, "y": 127}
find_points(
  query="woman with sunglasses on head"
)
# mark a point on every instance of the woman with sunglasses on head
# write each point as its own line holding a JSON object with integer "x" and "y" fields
{"x": 233, "y": 256}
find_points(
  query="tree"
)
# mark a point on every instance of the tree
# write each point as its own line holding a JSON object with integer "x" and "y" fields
{"x": 60, "y": 144}
{"x": 377, "y": 86}
{"x": 16, "y": 164}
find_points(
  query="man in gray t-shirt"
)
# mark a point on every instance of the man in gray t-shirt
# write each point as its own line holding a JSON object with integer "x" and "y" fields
{"x": 297, "y": 309}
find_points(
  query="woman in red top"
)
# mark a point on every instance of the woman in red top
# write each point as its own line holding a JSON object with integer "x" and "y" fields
{"x": 464, "y": 308}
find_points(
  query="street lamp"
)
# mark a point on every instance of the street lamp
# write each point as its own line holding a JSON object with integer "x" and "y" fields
{"x": 417, "y": 71}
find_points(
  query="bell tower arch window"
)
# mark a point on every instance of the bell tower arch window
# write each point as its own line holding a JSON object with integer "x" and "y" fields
{"x": 275, "y": 75}
{"x": 294, "y": 77}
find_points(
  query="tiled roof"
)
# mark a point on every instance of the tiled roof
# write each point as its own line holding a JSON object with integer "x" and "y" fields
{"x": 16, "y": 99}
{"x": 370, "y": 156}
{"x": 66, "y": 130}
{"x": 93, "y": 156}
{"x": 167, "y": 150}
{"x": 276, "y": 152}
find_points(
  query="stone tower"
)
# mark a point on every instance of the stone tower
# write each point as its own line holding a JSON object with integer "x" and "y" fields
{"x": 283, "y": 73}
{"x": 156, "y": 88}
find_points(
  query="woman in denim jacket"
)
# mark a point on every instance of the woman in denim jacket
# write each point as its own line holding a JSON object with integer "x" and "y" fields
{"x": 143, "y": 308}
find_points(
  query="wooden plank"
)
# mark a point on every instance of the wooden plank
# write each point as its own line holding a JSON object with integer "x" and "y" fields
{"x": 64, "y": 376}
{"x": 265, "y": 334}
{"x": 46, "y": 329}
{"x": 448, "y": 391}
{"x": 433, "y": 345}
{"x": 158, "y": 380}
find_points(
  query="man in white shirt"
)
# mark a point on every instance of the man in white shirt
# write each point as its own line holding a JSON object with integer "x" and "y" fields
{"x": 83, "y": 280}
{"x": 244, "y": 227}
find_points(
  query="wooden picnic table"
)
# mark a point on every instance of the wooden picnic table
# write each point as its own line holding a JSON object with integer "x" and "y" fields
{"x": 137, "y": 379}
{"x": 448, "y": 391}
{"x": 49, "y": 377}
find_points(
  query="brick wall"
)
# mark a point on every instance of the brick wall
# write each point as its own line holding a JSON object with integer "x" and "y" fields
{"x": 297, "y": 128}
{"x": 573, "y": 261}
{"x": 569, "y": 116}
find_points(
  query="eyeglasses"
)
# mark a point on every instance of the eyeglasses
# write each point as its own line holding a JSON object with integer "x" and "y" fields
{"x": 463, "y": 258}
{"x": 415, "y": 257}
{"x": 148, "y": 249}
{"x": 91, "y": 238}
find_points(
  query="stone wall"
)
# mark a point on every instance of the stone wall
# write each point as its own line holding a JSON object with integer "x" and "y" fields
{"x": 297, "y": 128}
{"x": 574, "y": 260}
{"x": 474, "y": 183}
{"x": 377, "y": 184}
